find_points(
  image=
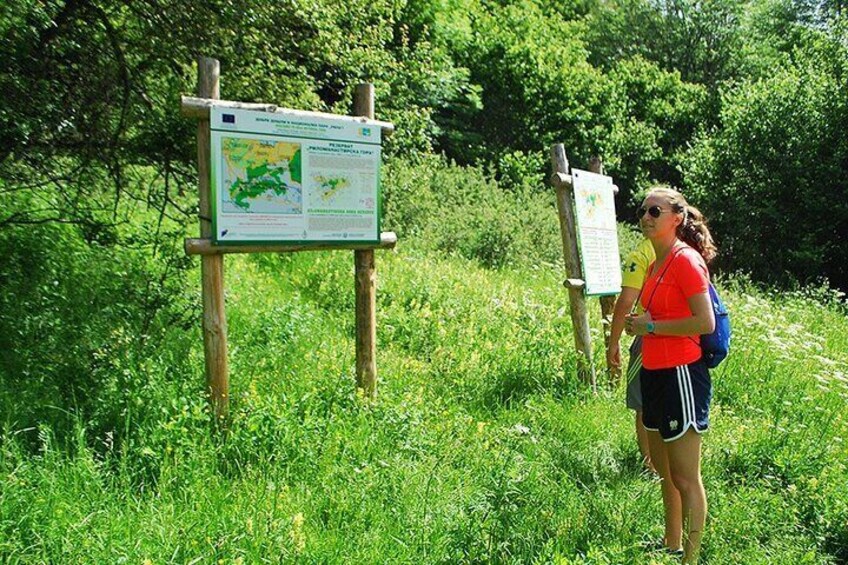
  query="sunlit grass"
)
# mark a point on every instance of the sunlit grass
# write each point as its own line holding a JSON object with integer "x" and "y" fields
{"x": 481, "y": 447}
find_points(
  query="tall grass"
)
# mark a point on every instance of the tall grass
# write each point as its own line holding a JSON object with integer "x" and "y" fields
{"x": 481, "y": 447}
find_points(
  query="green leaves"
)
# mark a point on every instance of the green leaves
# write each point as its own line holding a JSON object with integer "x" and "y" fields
{"x": 774, "y": 171}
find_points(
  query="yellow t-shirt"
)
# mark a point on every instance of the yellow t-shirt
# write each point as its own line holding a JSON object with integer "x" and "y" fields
{"x": 636, "y": 266}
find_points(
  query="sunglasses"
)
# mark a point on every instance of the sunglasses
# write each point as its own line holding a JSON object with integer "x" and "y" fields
{"x": 654, "y": 211}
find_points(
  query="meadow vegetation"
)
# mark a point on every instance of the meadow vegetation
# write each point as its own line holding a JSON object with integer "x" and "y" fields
{"x": 482, "y": 446}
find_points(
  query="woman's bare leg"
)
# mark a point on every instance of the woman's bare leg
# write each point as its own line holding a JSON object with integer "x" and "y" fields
{"x": 670, "y": 495}
{"x": 642, "y": 439}
{"x": 684, "y": 463}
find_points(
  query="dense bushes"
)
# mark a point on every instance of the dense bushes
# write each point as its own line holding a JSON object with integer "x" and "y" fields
{"x": 773, "y": 176}
{"x": 89, "y": 330}
{"x": 490, "y": 84}
{"x": 438, "y": 205}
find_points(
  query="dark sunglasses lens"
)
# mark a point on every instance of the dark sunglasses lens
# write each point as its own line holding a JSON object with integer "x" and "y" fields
{"x": 654, "y": 211}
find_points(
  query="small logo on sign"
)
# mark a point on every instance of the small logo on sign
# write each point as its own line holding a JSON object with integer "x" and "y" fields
{"x": 228, "y": 118}
{"x": 366, "y": 132}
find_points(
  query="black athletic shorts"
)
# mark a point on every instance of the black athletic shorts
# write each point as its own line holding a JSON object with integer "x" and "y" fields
{"x": 676, "y": 398}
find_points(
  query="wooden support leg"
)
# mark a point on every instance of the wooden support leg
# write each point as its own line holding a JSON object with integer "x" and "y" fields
{"x": 576, "y": 300}
{"x": 215, "y": 336}
{"x": 366, "y": 322}
{"x": 607, "y": 306}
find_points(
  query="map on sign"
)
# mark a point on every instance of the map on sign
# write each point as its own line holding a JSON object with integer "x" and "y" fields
{"x": 290, "y": 176}
{"x": 594, "y": 205}
{"x": 340, "y": 191}
{"x": 261, "y": 176}
{"x": 331, "y": 189}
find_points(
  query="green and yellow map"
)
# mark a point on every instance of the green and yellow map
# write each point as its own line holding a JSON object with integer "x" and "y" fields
{"x": 328, "y": 188}
{"x": 261, "y": 176}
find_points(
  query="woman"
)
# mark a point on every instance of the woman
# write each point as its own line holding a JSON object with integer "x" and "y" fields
{"x": 676, "y": 386}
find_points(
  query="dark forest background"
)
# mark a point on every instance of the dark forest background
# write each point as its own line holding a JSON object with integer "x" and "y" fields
{"x": 740, "y": 103}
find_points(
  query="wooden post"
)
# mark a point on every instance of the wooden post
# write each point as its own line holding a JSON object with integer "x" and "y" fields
{"x": 366, "y": 280}
{"x": 575, "y": 283}
{"x": 211, "y": 266}
{"x": 607, "y": 302}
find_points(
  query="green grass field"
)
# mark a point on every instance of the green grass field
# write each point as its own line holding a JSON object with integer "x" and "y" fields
{"x": 482, "y": 447}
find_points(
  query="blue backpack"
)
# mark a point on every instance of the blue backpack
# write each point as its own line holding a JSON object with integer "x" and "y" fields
{"x": 716, "y": 345}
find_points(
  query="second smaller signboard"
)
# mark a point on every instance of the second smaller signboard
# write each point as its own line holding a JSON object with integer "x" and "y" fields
{"x": 597, "y": 236}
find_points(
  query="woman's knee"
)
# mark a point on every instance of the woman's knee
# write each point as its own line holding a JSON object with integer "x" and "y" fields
{"x": 685, "y": 481}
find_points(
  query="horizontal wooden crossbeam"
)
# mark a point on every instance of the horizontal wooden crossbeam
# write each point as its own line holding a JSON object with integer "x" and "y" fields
{"x": 561, "y": 179}
{"x": 564, "y": 180}
{"x": 204, "y": 246}
{"x": 199, "y": 108}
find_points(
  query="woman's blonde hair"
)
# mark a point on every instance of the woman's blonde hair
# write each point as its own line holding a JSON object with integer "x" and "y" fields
{"x": 693, "y": 229}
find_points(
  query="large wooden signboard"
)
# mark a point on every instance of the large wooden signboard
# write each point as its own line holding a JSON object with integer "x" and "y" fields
{"x": 594, "y": 204}
{"x": 279, "y": 180}
{"x": 279, "y": 177}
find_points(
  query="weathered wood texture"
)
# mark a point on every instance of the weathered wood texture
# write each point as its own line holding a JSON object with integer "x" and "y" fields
{"x": 200, "y": 107}
{"x": 211, "y": 266}
{"x": 568, "y": 229}
{"x": 366, "y": 281}
{"x": 200, "y": 246}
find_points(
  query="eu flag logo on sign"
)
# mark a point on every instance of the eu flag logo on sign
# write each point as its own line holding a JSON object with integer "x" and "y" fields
{"x": 228, "y": 118}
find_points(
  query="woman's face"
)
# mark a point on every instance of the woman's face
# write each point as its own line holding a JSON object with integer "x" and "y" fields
{"x": 657, "y": 218}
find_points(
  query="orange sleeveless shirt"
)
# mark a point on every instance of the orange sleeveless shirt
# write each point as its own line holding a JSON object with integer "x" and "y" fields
{"x": 665, "y": 295}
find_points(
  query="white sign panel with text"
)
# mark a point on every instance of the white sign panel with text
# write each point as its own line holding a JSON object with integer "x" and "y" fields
{"x": 594, "y": 204}
{"x": 280, "y": 177}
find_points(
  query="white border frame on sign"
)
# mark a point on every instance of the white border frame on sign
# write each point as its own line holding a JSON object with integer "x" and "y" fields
{"x": 342, "y": 140}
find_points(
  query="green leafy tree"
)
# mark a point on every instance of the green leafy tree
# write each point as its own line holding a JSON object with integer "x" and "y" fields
{"x": 695, "y": 38}
{"x": 534, "y": 87}
{"x": 772, "y": 178}
{"x": 658, "y": 115}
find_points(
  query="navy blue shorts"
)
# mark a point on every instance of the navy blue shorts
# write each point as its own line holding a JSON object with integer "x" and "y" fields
{"x": 676, "y": 398}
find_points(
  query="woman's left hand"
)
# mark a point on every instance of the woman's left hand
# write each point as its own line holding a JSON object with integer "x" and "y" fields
{"x": 637, "y": 325}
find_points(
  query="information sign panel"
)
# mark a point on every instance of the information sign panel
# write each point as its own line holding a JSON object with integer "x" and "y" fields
{"x": 596, "y": 232}
{"x": 279, "y": 177}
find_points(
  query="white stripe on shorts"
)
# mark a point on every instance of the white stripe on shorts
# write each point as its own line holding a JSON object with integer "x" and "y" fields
{"x": 691, "y": 397}
{"x": 685, "y": 395}
{"x": 634, "y": 367}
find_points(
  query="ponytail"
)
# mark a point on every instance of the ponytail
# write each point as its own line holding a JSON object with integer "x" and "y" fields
{"x": 694, "y": 232}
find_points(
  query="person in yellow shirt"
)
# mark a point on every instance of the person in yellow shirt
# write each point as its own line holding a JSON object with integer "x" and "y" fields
{"x": 632, "y": 278}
